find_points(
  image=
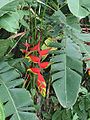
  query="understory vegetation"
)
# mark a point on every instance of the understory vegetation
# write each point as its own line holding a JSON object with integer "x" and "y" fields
{"x": 44, "y": 59}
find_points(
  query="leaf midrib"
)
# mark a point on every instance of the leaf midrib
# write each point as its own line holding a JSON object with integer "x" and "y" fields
{"x": 11, "y": 99}
{"x": 65, "y": 80}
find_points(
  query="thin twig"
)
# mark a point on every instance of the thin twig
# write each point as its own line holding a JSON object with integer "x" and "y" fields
{"x": 16, "y": 35}
{"x": 15, "y": 44}
{"x": 48, "y": 92}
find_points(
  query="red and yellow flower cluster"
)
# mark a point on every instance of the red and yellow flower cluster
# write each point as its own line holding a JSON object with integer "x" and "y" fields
{"x": 29, "y": 54}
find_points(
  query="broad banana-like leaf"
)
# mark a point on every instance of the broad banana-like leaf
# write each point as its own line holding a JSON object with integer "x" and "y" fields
{"x": 10, "y": 22}
{"x": 17, "y": 101}
{"x": 4, "y": 45}
{"x": 79, "y": 8}
{"x": 7, "y": 6}
{"x": 66, "y": 73}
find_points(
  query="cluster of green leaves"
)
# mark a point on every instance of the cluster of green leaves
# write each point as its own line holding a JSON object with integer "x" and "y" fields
{"x": 64, "y": 77}
{"x": 80, "y": 111}
{"x": 17, "y": 101}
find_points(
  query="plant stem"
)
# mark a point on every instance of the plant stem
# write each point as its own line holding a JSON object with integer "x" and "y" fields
{"x": 15, "y": 44}
{"x": 44, "y": 13}
{"x": 35, "y": 24}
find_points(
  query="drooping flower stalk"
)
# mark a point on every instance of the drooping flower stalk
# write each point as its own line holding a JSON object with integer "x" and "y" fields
{"x": 41, "y": 84}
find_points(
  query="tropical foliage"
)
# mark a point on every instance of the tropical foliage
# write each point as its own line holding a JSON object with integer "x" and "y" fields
{"x": 44, "y": 60}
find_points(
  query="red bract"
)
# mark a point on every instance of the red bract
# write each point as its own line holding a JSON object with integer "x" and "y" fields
{"x": 34, "y": 70}
{"x": 30, "y": 37}
{"x": 44, "y": 65}
{"x": 33, "y": 58}
{"x": 41, "y": 85}
{"x": 26, "y": 45}
{"x": 44, "y": 52}
{"x": 24, "y": 51}
{"x": 39, "y": 46}
{"x": 36, "y": 47}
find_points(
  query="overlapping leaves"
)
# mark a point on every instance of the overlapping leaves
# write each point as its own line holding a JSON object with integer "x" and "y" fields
{"x": 17, "y": 101}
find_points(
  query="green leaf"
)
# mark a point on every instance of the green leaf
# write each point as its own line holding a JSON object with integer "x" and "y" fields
{"x": 86, "y": 4}
{"x": 59, "y": 16}
{"x": 2, "y": 115}
{"x": 62, "y": 115}
{"x": 10, "y": 22}
{"x": 18, "y": 102}
{"x": 77, "y": 9}
{"x": 4, "y": 2}
{"x": 75, "y": 117}
{"x": 73, "y": 22}
{"x": 81, "y": 36}
{"x": 4, "y": 45}
{"x": 60, "y": 1}
{"x": 7, "y": 6}
{"x": 57, "y": 115}
{"x": 24, "y": 23}
{"x": 65, "y": 77}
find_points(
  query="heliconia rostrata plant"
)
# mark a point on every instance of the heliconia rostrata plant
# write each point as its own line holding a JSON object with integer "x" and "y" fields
{"x": 38, "y": 63}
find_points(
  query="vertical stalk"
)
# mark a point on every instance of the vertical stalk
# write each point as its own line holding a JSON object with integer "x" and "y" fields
{"x": 43, "y": 13}
{"x": 42, "y": 20}
{"x": 34, "y": 40}
{"x": 29, "y": 22}
{"x": 35, "y": 24}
